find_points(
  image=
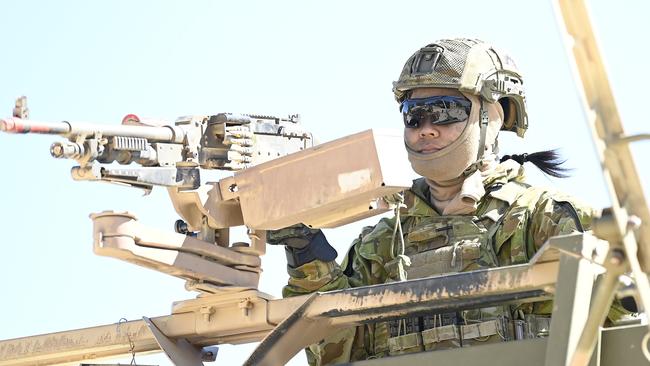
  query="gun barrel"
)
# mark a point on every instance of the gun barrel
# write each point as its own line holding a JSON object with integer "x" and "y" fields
{"x": 17, "y": 125}
{"x": 67, "y": 129}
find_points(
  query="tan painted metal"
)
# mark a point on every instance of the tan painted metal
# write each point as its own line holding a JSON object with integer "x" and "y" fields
{"x": 120, "y": 235}
{"x": 204, "y": 321}
{"x": 619, "y": 169}
{"x": 206, "y": 203}
{"x": 626, "y": 225}
{"x": 573, "y": 294}
{"x": 329, "y": 188}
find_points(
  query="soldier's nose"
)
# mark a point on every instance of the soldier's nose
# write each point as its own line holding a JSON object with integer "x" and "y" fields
{"x": 429, "y": 130}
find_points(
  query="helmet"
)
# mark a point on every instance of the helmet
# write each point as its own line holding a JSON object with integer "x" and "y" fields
{"x": 471, "y": 66}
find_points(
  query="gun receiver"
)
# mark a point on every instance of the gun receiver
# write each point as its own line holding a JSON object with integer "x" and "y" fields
{"x": 170, "y": 153}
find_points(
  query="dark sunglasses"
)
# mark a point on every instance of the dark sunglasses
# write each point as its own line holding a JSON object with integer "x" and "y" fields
{"x": 440, "y": 110}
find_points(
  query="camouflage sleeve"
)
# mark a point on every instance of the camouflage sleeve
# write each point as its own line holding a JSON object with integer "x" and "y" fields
{"x": 553, "y": 215}
{"x": 363, "y": 264}
{"x": 559, "y": 215}
{"x": 314, "y": 276}
{"x": 532, "y": 218}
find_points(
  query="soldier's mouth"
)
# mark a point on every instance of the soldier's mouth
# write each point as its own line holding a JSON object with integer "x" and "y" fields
{"x": 428, "y": 149}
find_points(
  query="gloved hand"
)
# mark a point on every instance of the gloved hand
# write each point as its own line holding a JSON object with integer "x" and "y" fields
{"x": 297, "y": 236}
{"x": 302, "y": 244}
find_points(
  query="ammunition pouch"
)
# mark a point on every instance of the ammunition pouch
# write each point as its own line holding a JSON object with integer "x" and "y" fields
{"x": 443, "y": 331}
{"x": 489, "y": 331}
{"x": 481, "y": 330}
{"x": 440, "y": 336}
{"x": 423, "y": 333}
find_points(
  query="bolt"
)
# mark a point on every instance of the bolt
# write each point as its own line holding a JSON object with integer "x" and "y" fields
{"x": 207, "y": 312}
{"x": 617, "y": 257}
{"x": 181, "y": 227}
{"x": 245, "y": 305}
{"x": 594, "y": 254}
{"x": 633, "y": 222}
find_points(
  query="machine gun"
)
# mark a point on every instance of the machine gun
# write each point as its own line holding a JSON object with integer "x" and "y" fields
{"x": 170, "y": 154}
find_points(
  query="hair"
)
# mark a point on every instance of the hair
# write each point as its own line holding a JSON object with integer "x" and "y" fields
{"x": 548, "y": 161}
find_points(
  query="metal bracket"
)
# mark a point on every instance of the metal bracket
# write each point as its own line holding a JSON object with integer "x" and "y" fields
{"x": 180, "y": 351}
{"x": 20, "y": 110}
{"x": 574, "y": 291}
{"x": 622, "y": 140}
{"x": 146, "y": 178}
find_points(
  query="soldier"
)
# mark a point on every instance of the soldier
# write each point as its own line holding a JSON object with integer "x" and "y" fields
{"x": 469, "y": 210}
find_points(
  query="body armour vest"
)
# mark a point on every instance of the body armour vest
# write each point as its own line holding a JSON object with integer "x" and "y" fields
{"x": 439, "y": 245}
{"x": 511, "y": 221}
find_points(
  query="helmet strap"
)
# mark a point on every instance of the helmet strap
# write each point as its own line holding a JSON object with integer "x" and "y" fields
{"x": 485, "y": 120}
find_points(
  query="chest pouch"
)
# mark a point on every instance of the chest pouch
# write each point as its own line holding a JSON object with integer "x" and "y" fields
{"x": 449, "y": 244}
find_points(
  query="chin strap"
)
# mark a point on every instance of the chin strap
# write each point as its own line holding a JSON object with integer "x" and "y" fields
{"x": 485, "y": 120}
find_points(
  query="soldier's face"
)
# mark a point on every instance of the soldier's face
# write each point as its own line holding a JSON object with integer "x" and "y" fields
{"x": 427, "y": 137}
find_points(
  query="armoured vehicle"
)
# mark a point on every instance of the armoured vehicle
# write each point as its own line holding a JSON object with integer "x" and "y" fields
{"x": 226, "y": 274}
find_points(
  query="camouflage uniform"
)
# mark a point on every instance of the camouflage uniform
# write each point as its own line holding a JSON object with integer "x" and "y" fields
{"x": 512, "y": 221}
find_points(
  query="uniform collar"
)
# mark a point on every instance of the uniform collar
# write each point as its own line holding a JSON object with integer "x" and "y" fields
{"x": 418, "y": 203}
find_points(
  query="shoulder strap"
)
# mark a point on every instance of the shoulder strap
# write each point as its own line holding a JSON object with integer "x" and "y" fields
{"x": 509, "y": 192}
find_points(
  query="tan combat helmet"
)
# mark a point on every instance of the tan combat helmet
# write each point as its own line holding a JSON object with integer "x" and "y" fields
{"x": 471, "y": 66}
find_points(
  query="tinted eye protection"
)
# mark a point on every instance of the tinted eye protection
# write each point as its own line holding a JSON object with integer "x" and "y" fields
{"x": 440, "y": 110}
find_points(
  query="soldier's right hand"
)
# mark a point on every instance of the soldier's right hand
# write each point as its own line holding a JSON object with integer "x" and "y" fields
{"x": 297, "y": 236}
{"x": 302, "y": 244}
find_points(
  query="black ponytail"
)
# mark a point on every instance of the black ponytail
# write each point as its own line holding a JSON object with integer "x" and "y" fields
{"x": 548, "y": 161}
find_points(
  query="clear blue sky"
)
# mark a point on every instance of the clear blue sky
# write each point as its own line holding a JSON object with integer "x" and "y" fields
{"x": 332, "y": 61}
